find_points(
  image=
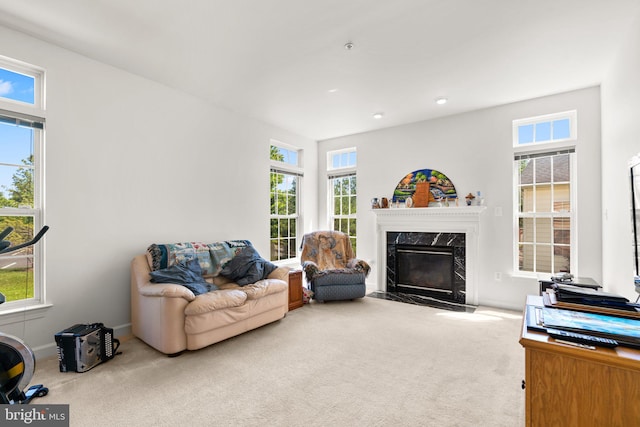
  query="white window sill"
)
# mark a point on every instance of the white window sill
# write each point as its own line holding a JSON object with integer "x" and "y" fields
{"x": 291, "y": 262}
{"x": 20, "y": 314}
{"x": 521, "y": 275}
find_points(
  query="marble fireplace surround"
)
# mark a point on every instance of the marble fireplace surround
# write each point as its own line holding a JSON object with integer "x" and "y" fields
{"x": 465, "y": 219}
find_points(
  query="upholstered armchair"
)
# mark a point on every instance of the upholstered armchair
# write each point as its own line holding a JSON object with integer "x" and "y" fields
{"x": 332, "y": 271}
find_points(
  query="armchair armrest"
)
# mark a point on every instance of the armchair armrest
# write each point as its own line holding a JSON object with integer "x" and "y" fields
{"x": 360, "y": 265}
{"x": 310, "y": 270}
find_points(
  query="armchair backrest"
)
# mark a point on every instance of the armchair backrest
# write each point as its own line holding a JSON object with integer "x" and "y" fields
{"x": 328, "y": 249}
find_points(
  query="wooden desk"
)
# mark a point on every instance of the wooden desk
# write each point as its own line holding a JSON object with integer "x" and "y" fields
{"x": 569, "y": 386}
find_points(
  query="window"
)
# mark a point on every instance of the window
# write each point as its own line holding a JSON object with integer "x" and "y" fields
{"x": 21, "y": 86}
{"x": 286, "y": 175}
{"x": 544, "y": 193}
{"x": 343, "y": 192}
{"x": 545, "y": 212}
{"x": 21, "y": 145}
{"x": 544, "y": 129}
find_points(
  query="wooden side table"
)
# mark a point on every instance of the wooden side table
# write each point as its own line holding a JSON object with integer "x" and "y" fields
{"x": 295, "y": 289}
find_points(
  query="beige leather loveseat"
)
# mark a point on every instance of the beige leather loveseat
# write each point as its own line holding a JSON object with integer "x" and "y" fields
{"x": 172, "y": 318}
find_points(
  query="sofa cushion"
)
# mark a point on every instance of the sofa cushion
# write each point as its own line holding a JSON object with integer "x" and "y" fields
{"x": 247, "y": 267}
{"x": 264, "y": 287}
{"x": 215, "y": 300}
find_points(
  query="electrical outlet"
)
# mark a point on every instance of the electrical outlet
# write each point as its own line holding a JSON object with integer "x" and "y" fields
{"x": 498, "y": 276}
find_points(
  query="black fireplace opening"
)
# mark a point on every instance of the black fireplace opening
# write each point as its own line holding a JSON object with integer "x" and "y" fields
{"x": 425, "y": 270}
{"x": 427, "y": 264}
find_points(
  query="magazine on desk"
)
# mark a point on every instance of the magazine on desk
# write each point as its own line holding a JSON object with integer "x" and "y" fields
{"x": 585, "y": 296}
{"x": 624, "y": 330}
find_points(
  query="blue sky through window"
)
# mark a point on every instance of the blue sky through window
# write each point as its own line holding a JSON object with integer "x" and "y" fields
{"x": 16, "y": 86}
{"x": 525, "y": 134}
{"x": 288, "y": 156}
{"x": 543, "y": 131}
{"x": 343, "y": 160}
{"x": 561, "y": 129}
{"x": 16, "y": 145}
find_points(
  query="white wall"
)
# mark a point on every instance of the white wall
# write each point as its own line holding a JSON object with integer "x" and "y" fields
{"x": 620, "y": 141}
{"x": 475, "y": 151}
{"x": 130, "y": 162}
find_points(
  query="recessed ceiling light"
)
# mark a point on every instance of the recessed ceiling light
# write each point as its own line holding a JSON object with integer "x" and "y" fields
{"x": 378, "y": 115}
{"x": 332, "y": 90}
{"x": 441, "y": 101}
{"x": 348, "y": 46}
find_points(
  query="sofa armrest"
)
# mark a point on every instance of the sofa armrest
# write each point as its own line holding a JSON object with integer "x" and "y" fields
{"x": 140, "y": 281}
{"x": 281, "y": 273}
{"x": 168, "y": 290}
{"x": 157, "y": 310}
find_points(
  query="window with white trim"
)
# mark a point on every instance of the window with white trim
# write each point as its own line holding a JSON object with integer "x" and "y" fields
{"x": 21, "y": 179}
{"x": 285, "y": 177}
{"x": 342, "y": 188}
{"x": 545, "y": 212}
{"x": 549, "y": 128}
{"x": 544, "y": 194}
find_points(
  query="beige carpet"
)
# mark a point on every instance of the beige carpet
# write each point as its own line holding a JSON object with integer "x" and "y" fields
{"x": 369, "y": 362}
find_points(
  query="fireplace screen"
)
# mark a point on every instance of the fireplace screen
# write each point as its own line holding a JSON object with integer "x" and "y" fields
{"x": 428, "y": 268}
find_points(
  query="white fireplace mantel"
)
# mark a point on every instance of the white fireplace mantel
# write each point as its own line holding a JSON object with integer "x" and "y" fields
{"x": 464, "y": 219}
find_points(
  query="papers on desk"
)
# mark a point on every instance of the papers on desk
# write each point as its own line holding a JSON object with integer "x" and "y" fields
{"x": 583, "y": 299}
{"x": 624, "y": 330}
{"x": 579, "y": 295}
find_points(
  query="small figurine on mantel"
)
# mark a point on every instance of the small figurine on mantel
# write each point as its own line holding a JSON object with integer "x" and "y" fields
{"x": 469, "y": 198}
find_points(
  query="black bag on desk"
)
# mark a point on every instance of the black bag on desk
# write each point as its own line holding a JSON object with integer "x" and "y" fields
{"x": 587, "y": 296}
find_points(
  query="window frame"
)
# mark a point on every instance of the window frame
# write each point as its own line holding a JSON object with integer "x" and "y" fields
{"x": 546, "y": 118}
{"x": 295, "y": 171}
{"x": 38, "y": 107}
{"x": 339, "y": 173}
{"x": 32, "y": 116}
{"x": 538, "y": 149}
{"x": 552, "y": 215}
{"x": 333, "y": 153}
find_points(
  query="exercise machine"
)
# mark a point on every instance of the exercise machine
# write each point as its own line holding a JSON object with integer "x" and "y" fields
{"x": 17, "y": 361}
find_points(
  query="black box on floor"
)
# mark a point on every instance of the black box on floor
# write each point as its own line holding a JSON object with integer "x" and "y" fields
{"x": 83, "y": 346}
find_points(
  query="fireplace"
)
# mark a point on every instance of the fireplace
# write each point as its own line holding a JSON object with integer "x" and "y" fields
{"x": 427, "y": 264}
{"x": 456, "y": 228}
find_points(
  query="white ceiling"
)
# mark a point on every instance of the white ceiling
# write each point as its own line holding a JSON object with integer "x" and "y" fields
{"x": 276, "y": 60}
